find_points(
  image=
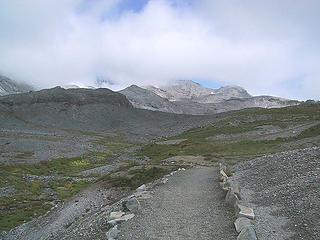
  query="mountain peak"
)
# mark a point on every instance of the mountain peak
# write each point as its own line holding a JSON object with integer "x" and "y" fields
{"x": 9, "y": 86}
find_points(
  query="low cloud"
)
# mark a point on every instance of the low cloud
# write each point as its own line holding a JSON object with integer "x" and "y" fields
{"x": 268, "y": 47}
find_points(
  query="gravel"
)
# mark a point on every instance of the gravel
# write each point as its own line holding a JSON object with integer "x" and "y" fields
{"x": 284, "y": 189}
{"x": 189, "y": 206}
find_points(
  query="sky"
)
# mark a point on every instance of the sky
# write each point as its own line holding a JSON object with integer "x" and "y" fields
{"x": 268, "y": 47}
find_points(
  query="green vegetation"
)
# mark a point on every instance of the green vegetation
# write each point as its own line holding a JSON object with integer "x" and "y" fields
{"x": 137, "y": 177}
{"x": 236, "y": 123}
{"x": 30, "y": 198}
{"x": 67, "y": 189}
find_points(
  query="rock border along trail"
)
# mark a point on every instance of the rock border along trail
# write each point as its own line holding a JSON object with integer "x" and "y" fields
{"x": 189, "y": 206}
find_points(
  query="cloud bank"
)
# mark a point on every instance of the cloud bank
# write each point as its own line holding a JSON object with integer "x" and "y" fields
{"x": 269, "y": 47}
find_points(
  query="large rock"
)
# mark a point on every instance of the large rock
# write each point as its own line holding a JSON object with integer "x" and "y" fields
{"x": 242, "y": 223}
{"x": 247, "y": 233}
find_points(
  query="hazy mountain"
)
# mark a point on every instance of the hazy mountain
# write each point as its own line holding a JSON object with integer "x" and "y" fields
{"x": 9, "y": 86}
{"x": 191, "y": 98}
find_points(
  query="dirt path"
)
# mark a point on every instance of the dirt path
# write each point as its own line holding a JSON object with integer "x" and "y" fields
{"x": 189, "y": 206}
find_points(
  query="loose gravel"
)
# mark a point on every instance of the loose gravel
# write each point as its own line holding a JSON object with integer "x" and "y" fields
{"x": 189, "y": 206}
{"x": 284, "y": 189}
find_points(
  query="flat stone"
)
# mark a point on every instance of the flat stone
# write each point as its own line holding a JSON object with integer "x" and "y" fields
{"x": 243, "y": 211}
{"x": 247, "y": 233}
{"x": 121, "y": 219}
{"x": 115, "y": 215}
{"x": 241, "y": 223}
{"x": 113, "y": 233}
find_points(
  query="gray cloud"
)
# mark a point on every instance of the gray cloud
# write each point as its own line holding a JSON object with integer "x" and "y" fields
{"x": 269, "y": 47}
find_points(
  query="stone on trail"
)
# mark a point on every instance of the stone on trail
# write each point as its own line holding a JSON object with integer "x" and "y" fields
{"x": 164, "y": 180}
{"x": 243, "y": 211}
{"x": 121, "y": 219}
{"x": 142, "y": 188}
{"x": 132, "y": 204}
{"x": 242, "y": 223}
{"x": 115, "y": 215}
{"x": 231, "y": 197}
{"x": 113, "y": 233}
{"x": 247, "y": 233}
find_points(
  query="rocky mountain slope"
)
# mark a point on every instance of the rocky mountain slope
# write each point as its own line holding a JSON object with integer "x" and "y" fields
{"x": 191, "y": 98}
{"x": 90, "y": 110}
{"x": 186, "y": 89}
{"x": 8, "y": 86}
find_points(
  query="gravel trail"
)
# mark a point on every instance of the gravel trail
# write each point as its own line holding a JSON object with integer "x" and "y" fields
{"x": 189, "y": 206}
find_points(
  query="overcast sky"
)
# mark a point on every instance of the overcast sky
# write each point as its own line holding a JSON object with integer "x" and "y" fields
{"x": 268, "y": 47}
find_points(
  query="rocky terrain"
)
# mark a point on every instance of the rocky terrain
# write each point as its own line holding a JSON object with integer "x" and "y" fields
{"x": 189, "y": 97}
{"x": 8, "y": 86}
{"x": 67, "y": 156}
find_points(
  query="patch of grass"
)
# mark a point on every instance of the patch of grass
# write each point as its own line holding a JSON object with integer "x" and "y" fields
{"x": 310, "y": 132}
{"x": 67, "y": 189}
{"x": 237, "y": 123}
{"x": 21, "y": 212}
{"x": 137, "y": 177}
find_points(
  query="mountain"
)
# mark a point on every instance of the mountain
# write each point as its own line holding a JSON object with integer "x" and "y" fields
{"x": 99, "y": 110}
{"x": 146, "y": 99}
{"x": 186, "y": 89}
{"x": 191, "y": 98}
{"x": 9, "y": 86}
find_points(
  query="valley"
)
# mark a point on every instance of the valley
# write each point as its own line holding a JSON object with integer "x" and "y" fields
{"x": 68, "y": 155}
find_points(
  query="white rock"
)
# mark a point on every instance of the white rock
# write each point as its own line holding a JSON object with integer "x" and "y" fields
{"x": 142, "y": 188}
{"x": 244, "y": 211}
{"x": 164, "y": 180}
{"x": 115, "y": 215}
{"x": 121, "y": 219}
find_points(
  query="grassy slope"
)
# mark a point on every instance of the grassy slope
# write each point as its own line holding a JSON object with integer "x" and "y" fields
{"x": 239, "y": 122}
{"x": 29, "y": 199}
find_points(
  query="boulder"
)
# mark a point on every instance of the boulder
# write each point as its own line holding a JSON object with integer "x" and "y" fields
{"x": 242, "y": 223}
{"x": 247, "y": 233}
{"x": 113, "y": 233}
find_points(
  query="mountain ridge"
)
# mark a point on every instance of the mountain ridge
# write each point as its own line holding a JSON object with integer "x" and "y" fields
{"x": 189, "y": 97}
